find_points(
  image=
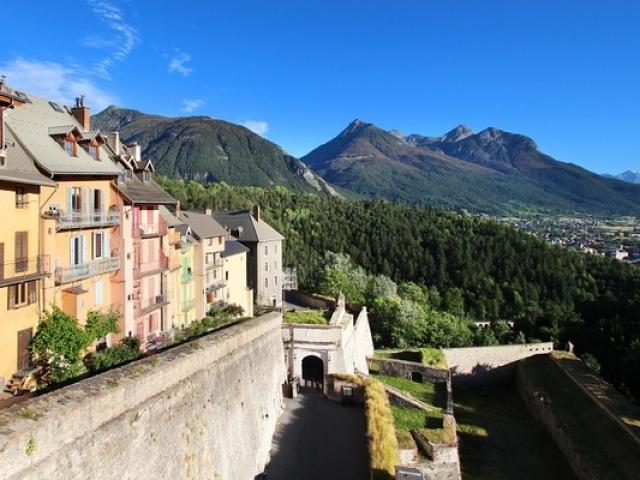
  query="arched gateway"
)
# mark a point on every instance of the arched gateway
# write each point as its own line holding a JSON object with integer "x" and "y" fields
{"x": 313, "y": 371}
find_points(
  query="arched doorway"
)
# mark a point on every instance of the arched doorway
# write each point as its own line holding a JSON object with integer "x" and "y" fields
{"x": 313, "y": 372}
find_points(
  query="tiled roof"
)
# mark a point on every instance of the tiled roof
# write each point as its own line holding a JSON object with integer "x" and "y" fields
{"x": 252, "y": 230}
{"x": 170, "y": 218}
{"x": 19, "y": 167}
{"x": 149, "y": 192}
{"x": 202, "y": 225}
{"x": 31, "y": 124}
{"x": 233, "y": 247}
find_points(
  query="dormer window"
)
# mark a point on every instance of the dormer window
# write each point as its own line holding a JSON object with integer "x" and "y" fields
{"x": 70, "y": 147}
{"x": 145, "y": 176}
{"x": 94, "y": 152}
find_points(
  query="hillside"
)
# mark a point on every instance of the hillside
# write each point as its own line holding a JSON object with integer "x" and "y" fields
{"x": 204, "y": 149}
{"x": 492, "y": 171}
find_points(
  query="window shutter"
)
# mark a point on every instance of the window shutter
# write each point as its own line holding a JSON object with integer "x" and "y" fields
{"x": 73, "y": 251}
{"x": 11, "y": 297}
{"x": 69, "y": 200}
{"x": 32, "y": 292}
{"x": 81, "y": 255}
{"x": 86, "y": 206}
{"x": 105, "y": 245}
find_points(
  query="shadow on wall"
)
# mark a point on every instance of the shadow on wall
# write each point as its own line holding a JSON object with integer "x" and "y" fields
{"x": 485, "y": 374}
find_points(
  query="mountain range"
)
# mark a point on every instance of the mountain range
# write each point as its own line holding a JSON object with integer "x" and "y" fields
{"x": 491, "y": 171}
{"x": 208, "y": 150}
{"x": 628, "y": 176}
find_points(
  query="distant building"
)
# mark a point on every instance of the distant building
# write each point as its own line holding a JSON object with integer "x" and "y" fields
{"x": 207, "y": 266}
{"x": 264, "y": 262}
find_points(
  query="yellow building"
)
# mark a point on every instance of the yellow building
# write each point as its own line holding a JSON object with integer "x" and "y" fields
{"x": 80, "y": 212}
{"x": 236, "y": 291}
{"x": 181, "y": 281}
{"x": 21, "y": 265}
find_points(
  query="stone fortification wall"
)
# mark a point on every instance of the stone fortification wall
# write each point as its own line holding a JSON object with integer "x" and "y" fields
{"x": 206, "y": 409}
{"x": 486, "y": 365}
{"x": 404, "y": 369}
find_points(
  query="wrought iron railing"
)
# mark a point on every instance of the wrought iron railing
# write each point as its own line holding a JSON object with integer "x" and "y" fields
{"x": 86, "y": 270}
{"x": 79, "y": 219}
{"x": 23, "y": 268}
{"x": 157, "y": 264}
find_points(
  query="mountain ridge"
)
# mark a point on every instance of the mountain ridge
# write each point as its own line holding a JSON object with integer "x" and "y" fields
{"x": 206, "y": 149}
{"x": 493, "y": 170}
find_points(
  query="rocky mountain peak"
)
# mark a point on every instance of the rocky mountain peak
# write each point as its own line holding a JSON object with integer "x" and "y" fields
{"x": 459, "y": 133}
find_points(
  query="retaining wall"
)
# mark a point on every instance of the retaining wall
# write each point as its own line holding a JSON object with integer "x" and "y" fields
{"x": 490, "y": 365}
{"x": 206, "y": 409}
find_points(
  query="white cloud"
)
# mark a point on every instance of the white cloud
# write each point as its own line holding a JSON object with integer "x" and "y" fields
{"x": 178, "y": 64}
{"x": 55, "y": 81}
{"x": 123, "y": 42}
{"x": 256, "y": 126}
{"x": 191, "y": 104}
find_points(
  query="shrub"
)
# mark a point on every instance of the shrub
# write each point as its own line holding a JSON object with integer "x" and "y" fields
{"x": 123, "y": 352}
{"x": 381, "y": 435}
{"x": 233, "y": 310}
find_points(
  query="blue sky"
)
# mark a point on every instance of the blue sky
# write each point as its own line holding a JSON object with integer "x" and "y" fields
{"x": 565, "y": 73}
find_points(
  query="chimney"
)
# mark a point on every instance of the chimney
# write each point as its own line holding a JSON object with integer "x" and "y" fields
{"x": 256, "y": 212}
{"x": 113, "y": 140}
{"x": 207, "y": 211}
{"x": 82, "y": 114}
{"x": 136, "y": 151}
{"x": 178, "y": 209}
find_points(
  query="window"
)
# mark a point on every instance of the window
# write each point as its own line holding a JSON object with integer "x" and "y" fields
{"x": 21, "y": 252}
{"x": 275, "y": 281}
{"x": 226, "y": 275}
{"x": 219, "y": 240}
{"x": 21, "y": 294}
{"x": 211, "y": 242}
{"x": 21, "y": 198}
{"x": 266, "y": 250}
{"x": 97, "y": 201}
{"x": 94, "y": 152}
{"x": 98, "y": 246}
{"x": 76, "y": 199}
{"x": 70, "y": 148}
{"x": 266, "y": 283}
{"x": 145, "y": 176}
{"x": 266, "y": 266}
{"x": 76, "y": 250}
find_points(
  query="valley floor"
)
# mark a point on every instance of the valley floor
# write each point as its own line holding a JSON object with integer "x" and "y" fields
{"x": 499, "y": 440}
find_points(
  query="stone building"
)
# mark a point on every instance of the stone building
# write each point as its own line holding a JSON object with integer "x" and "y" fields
{"x": 342, "y": 346}
{"x": 264, "y": 261}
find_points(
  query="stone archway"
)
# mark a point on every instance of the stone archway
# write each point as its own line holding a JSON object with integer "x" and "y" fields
{"x": 313, "y": 372}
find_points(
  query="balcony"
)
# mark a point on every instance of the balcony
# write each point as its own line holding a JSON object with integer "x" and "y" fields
{"x": 213, "y": 264}
{"x": 217, "y": 285}
{"x": 188, "y": 305}
{"x": 79, "y": 219}
{"x": 148, "y": 230}
{"x": 86, "y": 270}
{"x": 151, "y": 266}
{"x": 151, "y": 304}
{"x": 23, "y": 270}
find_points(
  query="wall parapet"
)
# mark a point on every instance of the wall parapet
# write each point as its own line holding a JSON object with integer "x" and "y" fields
{"x": 53, "y": 427}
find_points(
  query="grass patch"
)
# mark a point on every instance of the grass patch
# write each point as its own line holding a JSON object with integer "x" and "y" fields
{"x": 434, "y": 394}
{"x": 405, "y": 440}
{"x": 431, "y": 357}
{"x": 309, "y": 317}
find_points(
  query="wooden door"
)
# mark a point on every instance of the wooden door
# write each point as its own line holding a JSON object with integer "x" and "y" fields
{"x": 24, "y": 355}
